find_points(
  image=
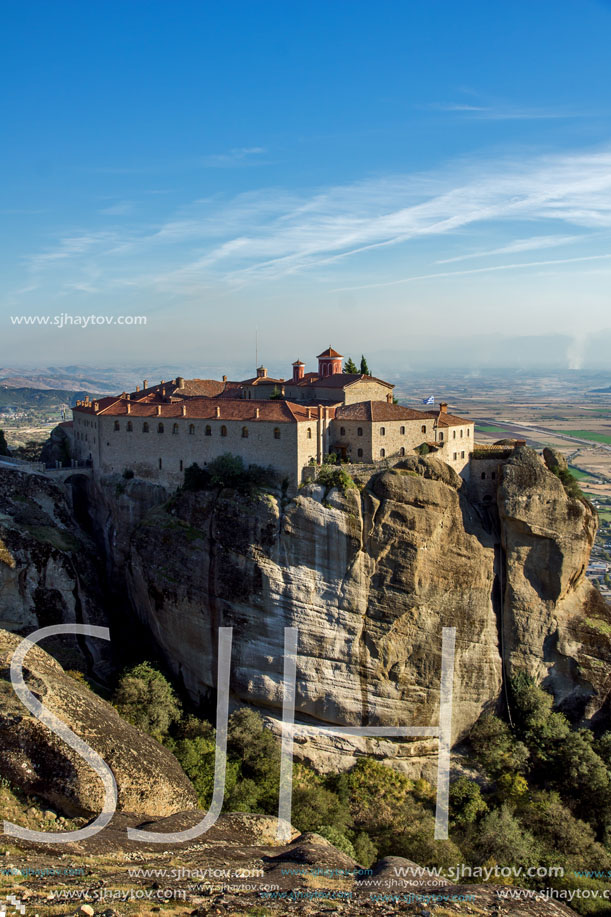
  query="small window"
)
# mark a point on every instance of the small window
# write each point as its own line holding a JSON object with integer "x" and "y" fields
{"x": 181, "y": 466}
{"x": 208, "y": 431}
{"x": 462, "y": 454}
{"x": 468, "y": 432}
{"x": 455, "y": 456}
{"x": 175, "y": 428}
{"x": 342, "y": 431}
{"x": 453, "y": 434}
{"x": 423, "y": 428}
{"x": 382, "y": 431}
{"x": 493, "y": 475}
{"x": 276, "y": 432}
{"x": 117, "y": 425}
{"x": 223, "y": 430}
{"x": 382, "y": 453}
{"x": 402, "y": 450}
{"x": 244, "y": 432}
{"x": 160, "y": 464}
{"x": 359, "y": 432}
{"x": 441, "y": 437}
{"x": 145, "y": 427}
{"x": 130, "y": 426}
{"x": 483, "y": 475}
{"x": 461, "y": 434}
{"x": 160, "y": 430}
{"x": 402, "y": 431}
{"x": 359, "y": 452}
{"x": 309, "y": 433}
{"x": 191, "y": 429}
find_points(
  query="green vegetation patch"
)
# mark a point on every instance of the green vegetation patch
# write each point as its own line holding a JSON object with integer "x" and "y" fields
{"x": 489, "y": 428}
{"x": 601, "y": 626}
{"x": 46, "y": 534}
{"x": 589, "y": 434}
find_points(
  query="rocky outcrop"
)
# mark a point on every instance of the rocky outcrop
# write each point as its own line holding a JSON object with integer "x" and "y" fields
{"x": 49, "y": 567}
{"x": 149, "y": 779}
{"x": 370, "y": 577}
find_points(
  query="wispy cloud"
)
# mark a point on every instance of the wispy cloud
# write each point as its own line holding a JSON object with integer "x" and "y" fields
{"x": 512, "y": 248}
{"x": 121, "y": 208}
{"x": 504, "y": 112}
{"x": 270, "y": 233}
{"x": 245, "y": 155}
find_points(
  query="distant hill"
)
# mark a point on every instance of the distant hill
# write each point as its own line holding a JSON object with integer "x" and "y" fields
{"x": 601, "y": 391}
{"x": 39, "y": 398}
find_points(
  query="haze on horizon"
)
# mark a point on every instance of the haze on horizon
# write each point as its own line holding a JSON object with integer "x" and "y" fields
{"x": 416, "y": 180}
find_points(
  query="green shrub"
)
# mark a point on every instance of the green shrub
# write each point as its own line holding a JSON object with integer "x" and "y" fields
{"x": 331, "y": 476}
{"x": 145, "y": 698}
{"x": 466, "y": 802}
{"x": 228, "y": 471}
{"x": 332, "y": 834}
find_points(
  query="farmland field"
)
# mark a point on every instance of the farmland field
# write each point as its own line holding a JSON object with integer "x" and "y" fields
{"x": 588, "y": 434}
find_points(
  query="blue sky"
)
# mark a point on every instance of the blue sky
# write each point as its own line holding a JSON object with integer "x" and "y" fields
{"x": 374, "y": 174}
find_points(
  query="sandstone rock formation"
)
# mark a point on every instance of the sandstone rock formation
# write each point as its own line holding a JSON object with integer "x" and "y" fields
{"x": 149, "y": 779}
{"x": 370, "y": 577}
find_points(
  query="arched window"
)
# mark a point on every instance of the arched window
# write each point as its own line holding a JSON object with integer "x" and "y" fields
{"x": 483, "y": 475}
{"x": 402, "y": 431}
{"x": 359, "y": 432}
{"x": 461, "y": 434}
{"x": 160, "y": 429}
{"x": 244, "y": 432}
{"x": 441, "y": 436}
{"x": 468, "y": 432}
{"x": 382, "y": 453}
{"x": 223, "y": 430}
{"x": 130, "y": 426}
{"x": 181, "y": 465}
{"x": 455, "y": 457}
{"x": 423, "y": 428}
{"x": 382, "y": 431}
{"x": 342, "y": 431}
{"x": 276, "y": 432}
{"x": 359, "y": 452}
{"x": 309, "y": 433}
{"x": 160, "y": 464}
{"x": 453, "y": 434}
{"x": 175, "y": 428}
{"x": 117, "y": 425}
{"x": 402, "y": 450}
{"x": 145, "y": 427}
{"x": 191, "y": 429}
{"x": 208, "y": 431}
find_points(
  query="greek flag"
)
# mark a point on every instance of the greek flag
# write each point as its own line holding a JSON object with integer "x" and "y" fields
{"x": 430, "y": 400}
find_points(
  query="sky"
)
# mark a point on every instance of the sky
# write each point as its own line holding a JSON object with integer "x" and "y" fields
{"x": 379, "y": 176}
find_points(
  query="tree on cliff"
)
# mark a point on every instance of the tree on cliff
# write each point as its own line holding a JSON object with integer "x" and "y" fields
{"x": 350, "y": 366}
{"x": 146, "y": 699}
{"x": 364, "y": 366}
{"x": 3, "y": 444}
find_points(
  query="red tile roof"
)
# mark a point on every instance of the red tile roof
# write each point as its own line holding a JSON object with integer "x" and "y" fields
{"x": 329, "y": 352}
{"x": 336, "y": 380}
{"x": 205, "y": 409}
{"x": 375, "y": 411}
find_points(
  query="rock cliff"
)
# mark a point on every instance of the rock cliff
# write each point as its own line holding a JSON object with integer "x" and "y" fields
{"x": 370, "y": 577}
{"x": 149, "y": 779}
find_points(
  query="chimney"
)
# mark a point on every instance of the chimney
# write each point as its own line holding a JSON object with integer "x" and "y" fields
{"x": 218, "y": 411}
{"x": 298, "y": 369}
{"x": 224, "y": 378}
{"x": 129, "y": 408}
{"x": 257, "y": 412}
{"x": 184, "y": 410}
{"x": 96, "y": 406}
{"x": 162, "y": 381}
{"x": 443, "y": 407}
{"x": 158, "y": 410}
{"x": 261, "y": 372}
{"x": 309, "y": 415}
{"x": 180, "y": 382}
{"x": 137, "y": 388}
{"x": 389, "y": 398}
{"x": 145, "y": 384}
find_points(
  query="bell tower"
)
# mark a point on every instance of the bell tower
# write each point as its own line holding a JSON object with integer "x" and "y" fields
{"x": 329, "y": 362}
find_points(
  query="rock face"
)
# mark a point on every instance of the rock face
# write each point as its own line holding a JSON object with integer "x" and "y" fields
{"x": 369, "y": 578}
{"x": 149, "y": 779}
{"x": 49, "y": 569}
